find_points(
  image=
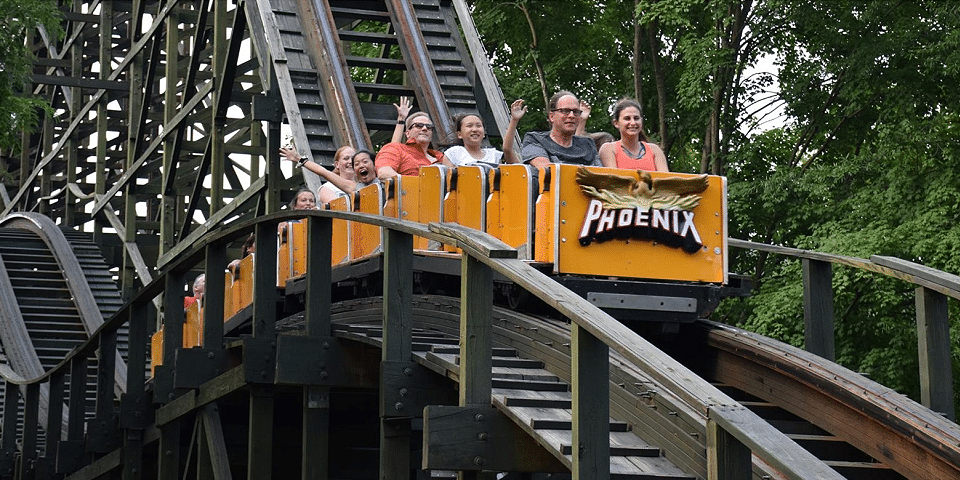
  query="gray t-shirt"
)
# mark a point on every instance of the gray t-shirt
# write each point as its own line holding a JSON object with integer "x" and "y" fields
{"x": 583, "y": 150}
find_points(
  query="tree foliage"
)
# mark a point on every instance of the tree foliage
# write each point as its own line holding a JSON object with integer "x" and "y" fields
{"x": 18, "y": 109}
{"x": 847, "y": 143}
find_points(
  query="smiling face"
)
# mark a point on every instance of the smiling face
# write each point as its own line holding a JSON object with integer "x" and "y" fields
{"x": 565, "y": 117}
{"x": 344, "y": 163}
{"x": 364, "y": 168}
{"x": 419, "y": 129}
{"x": 471, "y": 131}
{"x": 629, "y": 122}
{"x": 305, "y": 201}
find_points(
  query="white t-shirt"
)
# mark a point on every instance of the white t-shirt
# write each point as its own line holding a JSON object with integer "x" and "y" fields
{"x": 458, "y": 155}
{"x": 333, "y": 188}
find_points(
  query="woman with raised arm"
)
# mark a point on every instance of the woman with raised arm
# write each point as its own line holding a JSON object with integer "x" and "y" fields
{"x": 634, "y": 150}
{"x": 470, "y": 134}
{"x": 343, "y": 167}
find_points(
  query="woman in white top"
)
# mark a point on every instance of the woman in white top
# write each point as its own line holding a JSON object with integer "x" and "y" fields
{"x": 470, "y": 134}
{"x": 343, "y": 166}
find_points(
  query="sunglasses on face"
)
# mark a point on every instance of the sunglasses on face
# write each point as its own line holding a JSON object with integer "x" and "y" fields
{"x": 419, "y": 126}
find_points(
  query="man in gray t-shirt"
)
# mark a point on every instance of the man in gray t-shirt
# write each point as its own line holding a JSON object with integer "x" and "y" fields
{"x": 560, "y": 145}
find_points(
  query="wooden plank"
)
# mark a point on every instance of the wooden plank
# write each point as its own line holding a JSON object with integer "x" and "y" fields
{"x": 476, "y": 292}
{"x": 778, "y": 450}
{"x": 316, "y": 308}
{"x": 727, "y": 457}
{"x": 934, "y": 347}
{"x": 260, "y": 436}
{"x": 398, "y": 291}
{"x": 216, "y": 443}
{"x": 466, "y": 238}
{"x": 591, "y": 405}
{"x": 946, "y": 280}
{"x": 818, "y": 307}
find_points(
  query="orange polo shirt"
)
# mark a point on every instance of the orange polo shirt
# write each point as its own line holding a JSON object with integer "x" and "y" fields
{"x": 405, "y": 158}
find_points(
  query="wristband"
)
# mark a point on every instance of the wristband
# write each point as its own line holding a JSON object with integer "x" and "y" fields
{"x": 302, "y": 161}
{"x": 401, "y": 122}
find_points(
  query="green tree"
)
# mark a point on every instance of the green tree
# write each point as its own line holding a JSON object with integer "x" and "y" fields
{"x": 19, "y": 110}
{"x": 863, "y": 159}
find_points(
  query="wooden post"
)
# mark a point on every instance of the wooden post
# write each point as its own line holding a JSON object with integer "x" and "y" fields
{"x": 476, "y": 340}
{"x": 316, "y": 308}
{"x": 8, "y": 435}
{"x": 168, "y": 463}
{"x": 316, "y": 311}
{"x": 727, "y": 457}
{"x": 265, "y": 282}
{"x": 590, "y": 375}
{"x": 818, "y": 308}
{"x": 476, "y": 318}
{"x": 933, "y": 343}
{"x": 260, "y": 436}
{"x": 216, "y": 260}
{"x": 31, "y": 406}
{"x": 397, "y": 347}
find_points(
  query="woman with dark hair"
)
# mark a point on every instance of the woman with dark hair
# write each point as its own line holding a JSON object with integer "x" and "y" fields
{"x": 363, "y": 171}
{"x": 634, "y": 150}
{"x": 303, "y": 200}
{"x": 470, "y": 134}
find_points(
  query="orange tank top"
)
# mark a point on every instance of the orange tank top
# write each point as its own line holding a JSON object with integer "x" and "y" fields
{"x": 643, "y": 163}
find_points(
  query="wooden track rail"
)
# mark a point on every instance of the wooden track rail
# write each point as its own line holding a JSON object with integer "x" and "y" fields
{"x": 933, "y": 322}
{"x": 176, "y": 388}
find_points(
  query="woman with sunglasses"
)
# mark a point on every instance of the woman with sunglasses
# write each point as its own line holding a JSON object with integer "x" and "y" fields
{"x": 634, "y": 150}
{"x": 406, "y": 158}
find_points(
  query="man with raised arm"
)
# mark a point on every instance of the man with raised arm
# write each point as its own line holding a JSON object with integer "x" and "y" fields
{"x": 560, "y": 144}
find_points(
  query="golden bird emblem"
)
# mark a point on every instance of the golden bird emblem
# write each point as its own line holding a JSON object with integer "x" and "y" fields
{"x": 618, "y": 191}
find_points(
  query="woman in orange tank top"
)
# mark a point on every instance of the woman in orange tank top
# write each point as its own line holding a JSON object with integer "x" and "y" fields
{"x": 633, "y": 150}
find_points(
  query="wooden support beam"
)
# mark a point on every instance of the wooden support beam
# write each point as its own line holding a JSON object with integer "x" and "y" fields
{"x": 31, "y": 417}
{"x": 11, "y": 403}
{"x": 590, "y": 372}
{"x": 397, "y": 347}
{"x": 216, "y": 260}
{"x": 727, "y": 457}
{"x": 934, "y": 346}
{"x": 215, "y": 443}
{"x": 315, "y": 458}
{"x": 168, "y": 456}
{"x": 818, "y": 308}
{"x": 316, "y": 308}
{"x": 475, "y": 438}
{"x": 476, "y": 332}
{"x": 260, "y": 434}
{"x": 265, "y": 281}
{"x": 102, "y": 432}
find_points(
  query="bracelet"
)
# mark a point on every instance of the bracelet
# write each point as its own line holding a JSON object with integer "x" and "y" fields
{"x": 302, "y": 161}
{"x": 401, "y": 122}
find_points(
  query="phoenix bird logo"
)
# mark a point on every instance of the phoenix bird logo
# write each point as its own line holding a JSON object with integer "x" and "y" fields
{"x": 618, "y": 191}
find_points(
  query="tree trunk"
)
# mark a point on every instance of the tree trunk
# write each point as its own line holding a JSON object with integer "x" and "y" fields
{"x": 536, "y": 54}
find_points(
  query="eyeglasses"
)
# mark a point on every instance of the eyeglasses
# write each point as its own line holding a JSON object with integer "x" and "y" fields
{"x": 568, "y": 111}
{"x": 419, "y": 126}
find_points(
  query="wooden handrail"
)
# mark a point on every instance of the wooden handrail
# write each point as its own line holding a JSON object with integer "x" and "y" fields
{"x": 933, "y": 322}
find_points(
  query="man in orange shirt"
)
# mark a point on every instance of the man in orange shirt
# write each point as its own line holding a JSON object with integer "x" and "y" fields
{"x": 406, "y": 159}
